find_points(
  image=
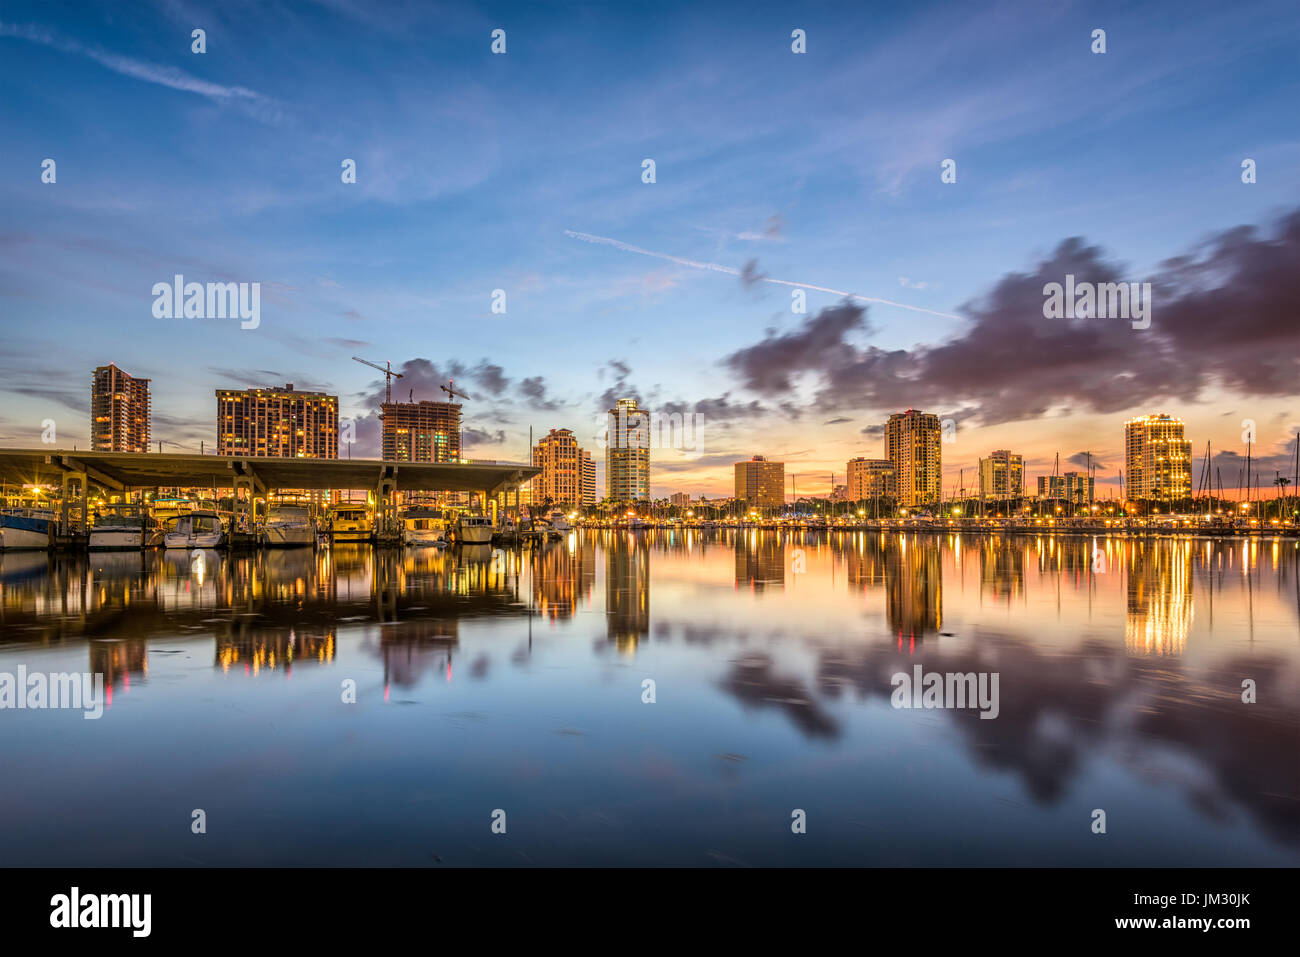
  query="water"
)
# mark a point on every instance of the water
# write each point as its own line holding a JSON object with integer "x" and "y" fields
{"x": 491, "y": 681}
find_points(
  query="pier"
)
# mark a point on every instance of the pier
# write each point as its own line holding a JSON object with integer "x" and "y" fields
{"x": 251, "y": 480}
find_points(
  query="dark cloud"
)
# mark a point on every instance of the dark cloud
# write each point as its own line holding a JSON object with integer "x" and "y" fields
{"x": 473, "y": 437}
{"x": 1082, "y": 461}
{"x": 534, "y": 390}
{"x": 750, "y": 276}
{"x": 489, "y": 377}
{"x": 873, "y": 431}
{"x": 768, "y": 366}
{"x": 840, "y": 420}
{"x": 1223, "y": 316}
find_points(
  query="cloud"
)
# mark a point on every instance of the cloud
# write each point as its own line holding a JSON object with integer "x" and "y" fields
{"x": 1222, "y": 319}
{"x": 838, "y": 420}
{"x": 750, "y": 276}
{"x": 534, "y": 390}
{"x": 472, "y": 437}
{"x": 767, "y": 367}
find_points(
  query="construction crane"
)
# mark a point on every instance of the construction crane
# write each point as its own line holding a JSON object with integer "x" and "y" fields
{"x": 449, "y": 388}
{"x": 389, "y": 375}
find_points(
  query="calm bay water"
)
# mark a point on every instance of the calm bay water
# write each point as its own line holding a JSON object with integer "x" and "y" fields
{"x": 489, "y": 680}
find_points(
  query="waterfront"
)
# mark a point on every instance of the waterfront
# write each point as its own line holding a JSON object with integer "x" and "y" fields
{"x": 491, "y": 679}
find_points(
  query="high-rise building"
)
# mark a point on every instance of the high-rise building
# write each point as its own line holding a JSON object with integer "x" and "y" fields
{"x": 1158, "y": 458}
{"x": 277, "y": 422}
{"x": 120, "y": 413}
{"x": 869, "y": 479}
{"x": 586, "y": 478}
{"x": 1002, "y": 476}
{"x": 912, "y": 444}
{"x": 680, "y": 499}
{"x": 627, "y": 453}
{"x": 1051, "y": 486}
{"x": 560, "y": 460}
{"x": 421, "y": 431}
{"x": 760, "y": 483}
{"x": 1078, "y": 488}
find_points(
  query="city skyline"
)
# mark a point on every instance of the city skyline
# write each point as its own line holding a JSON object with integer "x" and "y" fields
{"x": 698, "y": 268}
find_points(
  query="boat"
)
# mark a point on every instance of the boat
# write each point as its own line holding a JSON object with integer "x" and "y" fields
{"x": 350, "y": 522}
{"x": 201, "y": 528}
{"x": 288, "y": 526}
{"x": 124, "y": 527}
{"x": 560, "y": 522}
{"x": 424, "y": 527}
{"x": 474, "y": 529}
{"x": 26, "y": 528}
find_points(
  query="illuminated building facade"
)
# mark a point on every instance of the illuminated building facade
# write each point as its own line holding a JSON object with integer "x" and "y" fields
{"x": 1002, "y": 476}
{"x": 869, "y": 478}
{"x": 912, "y": 444}
{"x": 421, "y": 431}
{"x": 627, "y": 453}
{"x": 120, "y": 413}
{"x": 760, "y": 483}
{"x": 277, "y": 422}
{"x": 1158, "y": 458}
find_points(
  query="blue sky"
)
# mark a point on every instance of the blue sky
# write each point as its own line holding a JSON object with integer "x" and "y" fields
{"x": 473, "y": 168}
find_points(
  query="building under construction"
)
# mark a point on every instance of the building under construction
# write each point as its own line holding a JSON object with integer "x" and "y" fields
{"x": 421, "y": 431}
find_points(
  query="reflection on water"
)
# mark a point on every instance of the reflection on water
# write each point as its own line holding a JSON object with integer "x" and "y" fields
{"x": 488, "y": 678}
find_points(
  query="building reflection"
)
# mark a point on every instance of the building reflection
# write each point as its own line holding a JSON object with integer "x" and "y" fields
{"x": 261, "y": 649}
{"x": 1160, "y": 610}
{"x": 760, "y": 560}
{"x": 563, "y": 577}
{"x": 1002, "y": 569}
{"x": 913, "y": 587}
{"x": 118, "y": 660}
{"x": 627, "y": 590}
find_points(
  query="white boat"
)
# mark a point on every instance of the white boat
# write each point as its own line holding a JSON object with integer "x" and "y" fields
{"x": 474, "y": 529}
{"x": 25, "y": 528}
{"x": 122, "y": 527}
{"x": 560, "y": 522}
{"x": 349, "y": 523}
{"x": 200, "y": 528}
{"x": 287, "y": 526}
{"x": 424, "y": 527}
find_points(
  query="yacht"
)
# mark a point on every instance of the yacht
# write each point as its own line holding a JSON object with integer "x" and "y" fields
{"x": 121, "y": 527}
{"x": 201, "y": 528}
{"x": 288, "y": 525}
{"x": 25, "y": 528}
{"x": 424, "y": 527}
{"x": 474, "y": 529}
{"x": 350, "y": 522}
{"x": 560, "y": 522}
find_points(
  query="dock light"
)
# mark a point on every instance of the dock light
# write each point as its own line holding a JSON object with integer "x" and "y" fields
{"x": 956, "y": 512}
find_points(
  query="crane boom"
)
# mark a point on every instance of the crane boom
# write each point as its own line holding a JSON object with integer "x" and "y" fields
{"x": 389, "y": 375}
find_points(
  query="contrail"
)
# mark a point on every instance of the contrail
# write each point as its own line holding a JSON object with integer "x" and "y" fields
{"x": 731, "y": 271}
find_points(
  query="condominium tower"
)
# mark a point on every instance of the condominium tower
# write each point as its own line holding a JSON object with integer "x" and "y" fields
{"x": 760, "y": 483}
{"x": 119, "y": 411}
{"x": 1158, "y": 458}
{"x": 627, "y": 453}
{"x": 1002, "y": 476}
{"x": 912, "y": 444}
{"x": 277, "y": 422}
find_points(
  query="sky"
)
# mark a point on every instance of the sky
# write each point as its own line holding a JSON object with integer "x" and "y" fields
{"x": 523, "y": 172}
